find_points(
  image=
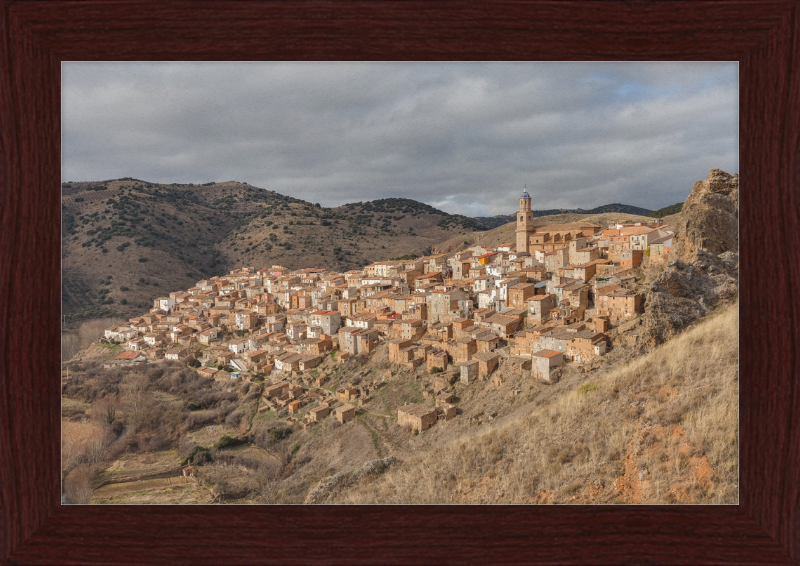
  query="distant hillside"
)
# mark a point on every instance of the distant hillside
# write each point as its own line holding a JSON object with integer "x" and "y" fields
{"x": 489, "y": 222}
{"x": 127, "y": 241}
{"x": 666, "y": 211}
{"x": 406, "y": 213}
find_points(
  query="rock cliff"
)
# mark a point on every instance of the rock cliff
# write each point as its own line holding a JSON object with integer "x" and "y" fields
{"x": 685, "y": 292}
{"x": 709, "y": 219}
{"x": 704, "y": 271}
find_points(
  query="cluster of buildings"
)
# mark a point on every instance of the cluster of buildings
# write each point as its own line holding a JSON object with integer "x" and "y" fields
{"x": 551, "y": 298}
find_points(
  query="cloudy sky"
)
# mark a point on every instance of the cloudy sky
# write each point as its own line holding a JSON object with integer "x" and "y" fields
{"x": 464, "y": 137}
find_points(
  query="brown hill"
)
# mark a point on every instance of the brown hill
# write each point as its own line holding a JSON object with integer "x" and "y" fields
{"x": 298, "y": 234}
{"x": 126, "y": 241}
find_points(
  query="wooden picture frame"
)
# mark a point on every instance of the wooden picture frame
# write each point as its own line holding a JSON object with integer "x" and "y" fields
{"x": 38, "y": 35}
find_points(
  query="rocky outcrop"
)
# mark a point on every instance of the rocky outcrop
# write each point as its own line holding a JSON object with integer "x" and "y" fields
{"x": 709, "y": 219}
{"x": 330, "y": 486}
{"x": 685, "y": 292}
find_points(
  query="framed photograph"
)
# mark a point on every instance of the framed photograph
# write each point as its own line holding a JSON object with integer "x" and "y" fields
{"x": 39, "y": 36}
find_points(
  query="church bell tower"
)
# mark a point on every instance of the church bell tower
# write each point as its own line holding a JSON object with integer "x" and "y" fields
{"x": 524, "y": 223}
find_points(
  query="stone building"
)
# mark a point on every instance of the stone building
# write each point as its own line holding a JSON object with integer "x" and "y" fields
{"x": 418, "y": 417}
{"x": 469, "y": 371}
{"x": 346, "y": 393}
{"x": 631, "y": 258}
{"x": 544, "y": 361}
{"x": 444, "y": 398}
{"x": 586, "y": 345}
{"x": 319, "y": 413}
{"x": 518, "y": 294}
{"x": 487, "y": 363}
{"x": 619, "y": 303}
{"x": 539, "y": 308}
{"x": 443, "y": 306}
{"x": 437, "y": 359}
{"x": 395, "y": 346}
{"x": 463, "y": 349}
{"x": 525, "y": 226}
{"x": 345, "y": 413}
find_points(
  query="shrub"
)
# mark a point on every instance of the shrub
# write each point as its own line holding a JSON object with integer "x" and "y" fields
{"x": 142, "y": 259}
{"x": 78, "y": 485}
{"x": 198, "y": 455}
{"x": 278, "y": 434}
{"x": 235, "y": 418}
{"x": 268, "y": 438}
{"x": 227, "y": 442}
{"x": 436, "y": 370}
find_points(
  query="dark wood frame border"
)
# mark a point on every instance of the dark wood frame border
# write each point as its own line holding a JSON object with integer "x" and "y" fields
{"x": 38, "y": 35}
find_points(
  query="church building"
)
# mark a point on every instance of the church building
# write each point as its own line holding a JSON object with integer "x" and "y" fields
{"x": 550, "y": 237}
{"x": 525, "y": 228}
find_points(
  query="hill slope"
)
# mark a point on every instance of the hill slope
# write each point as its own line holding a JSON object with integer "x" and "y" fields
{"x": 126, "y": 241}
{"x": 660, "y": 429}
{"x": 135, "y": 235}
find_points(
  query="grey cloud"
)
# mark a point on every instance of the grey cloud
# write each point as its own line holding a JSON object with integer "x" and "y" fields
{"x": 462, "y": 137}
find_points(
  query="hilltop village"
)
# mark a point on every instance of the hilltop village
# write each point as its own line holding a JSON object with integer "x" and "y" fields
{"x": 553, "y": 297}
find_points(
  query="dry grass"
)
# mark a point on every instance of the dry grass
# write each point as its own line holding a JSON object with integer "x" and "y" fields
{"x": 660, "y": 428}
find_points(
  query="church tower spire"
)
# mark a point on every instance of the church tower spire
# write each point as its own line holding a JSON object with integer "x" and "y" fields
{"x": 524, "y": 222}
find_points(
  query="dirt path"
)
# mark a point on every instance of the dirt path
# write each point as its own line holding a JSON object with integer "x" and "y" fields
{"x": 175, "y": 490}
{"x": 172, "y": 473}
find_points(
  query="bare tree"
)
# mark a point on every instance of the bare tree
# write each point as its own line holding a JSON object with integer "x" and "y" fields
{"x": 70, "y": 345}
{"x": 269, "y": 479}
{"x": 91, "y": 331}
{"x": 219, "y": 489}
{"x": 104, "y": 411}
{"x": 72, "y": 454}
{"x": 136, "y": 397}
{"x": 79, "y": 485}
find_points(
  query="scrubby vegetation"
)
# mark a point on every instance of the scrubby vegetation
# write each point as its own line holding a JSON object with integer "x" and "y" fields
{"x": 140, "y": 410}
{"x": 666, "y": 211}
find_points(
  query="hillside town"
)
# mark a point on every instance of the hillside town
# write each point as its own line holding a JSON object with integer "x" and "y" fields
{"x": 553, "y": 297}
